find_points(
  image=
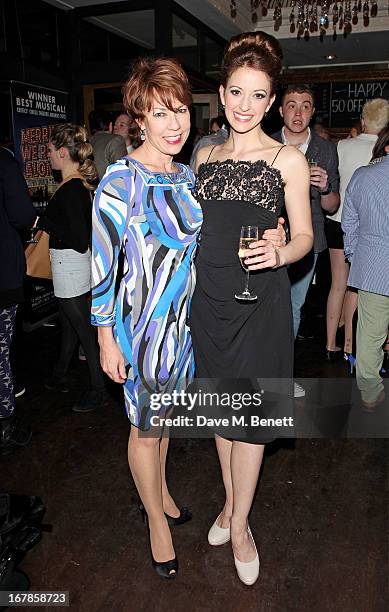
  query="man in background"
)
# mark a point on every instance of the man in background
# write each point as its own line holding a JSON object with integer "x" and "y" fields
{"x": 297, "y": 109}
{"x": 365, "y": 222}
{"x": 125, "y": 128}
{"x": 107, "y": 147}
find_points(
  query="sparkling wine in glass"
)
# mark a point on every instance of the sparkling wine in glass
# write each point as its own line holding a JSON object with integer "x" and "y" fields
{"x": 248, "y": 234}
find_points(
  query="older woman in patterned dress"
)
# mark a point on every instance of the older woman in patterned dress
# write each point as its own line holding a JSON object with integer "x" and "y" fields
{"x": 144, "y": 209}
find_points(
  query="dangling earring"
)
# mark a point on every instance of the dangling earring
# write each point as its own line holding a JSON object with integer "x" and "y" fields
{"x": 142, "y": 134}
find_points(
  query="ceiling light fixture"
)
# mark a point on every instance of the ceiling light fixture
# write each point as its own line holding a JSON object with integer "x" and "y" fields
{"x": 330, "y": 56}
{"x": 310, "y": 16}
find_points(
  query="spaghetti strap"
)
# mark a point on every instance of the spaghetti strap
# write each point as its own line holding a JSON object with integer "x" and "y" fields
{"x": 280, "y": 149}
{"x": 210, "y": 153}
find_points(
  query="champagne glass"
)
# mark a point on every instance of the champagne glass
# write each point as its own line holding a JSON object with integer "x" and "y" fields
{"x": 248, "y": 234}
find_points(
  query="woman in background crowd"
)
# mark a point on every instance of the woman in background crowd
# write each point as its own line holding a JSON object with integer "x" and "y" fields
{"x": 68, "y": 222}
{"x": 353, "y": 153}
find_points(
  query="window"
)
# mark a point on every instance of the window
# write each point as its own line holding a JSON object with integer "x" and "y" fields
{"x": 185, "y": 40}
{"x": 213, "y": 53}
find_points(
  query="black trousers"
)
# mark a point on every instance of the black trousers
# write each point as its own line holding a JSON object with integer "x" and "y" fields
{"x": 76, "y": 327}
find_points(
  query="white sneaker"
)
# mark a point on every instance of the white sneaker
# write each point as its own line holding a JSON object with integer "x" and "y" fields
{"x": 299, "y": 390}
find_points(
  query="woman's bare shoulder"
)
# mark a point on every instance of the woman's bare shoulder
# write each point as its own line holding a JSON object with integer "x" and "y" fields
{"x": 203, "y": 155}
{"x": 290, "y": 156}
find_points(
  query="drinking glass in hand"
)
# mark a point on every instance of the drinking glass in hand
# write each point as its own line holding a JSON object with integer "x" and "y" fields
{"x": 248, "y": 234}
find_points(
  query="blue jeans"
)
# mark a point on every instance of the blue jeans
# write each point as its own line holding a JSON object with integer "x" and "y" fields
{"x": 301, "y": 274}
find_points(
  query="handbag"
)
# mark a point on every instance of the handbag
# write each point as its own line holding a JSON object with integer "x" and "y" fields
{"x": 38, "y": 257}
{"x": 20, "y": 530}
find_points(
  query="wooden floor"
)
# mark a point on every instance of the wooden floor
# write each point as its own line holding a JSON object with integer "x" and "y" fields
{"x": 320, "y": 517}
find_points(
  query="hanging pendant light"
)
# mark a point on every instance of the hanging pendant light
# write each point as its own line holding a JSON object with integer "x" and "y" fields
{"x": 307, "y": 17}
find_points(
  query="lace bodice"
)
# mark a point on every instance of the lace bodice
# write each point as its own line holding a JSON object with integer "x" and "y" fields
{"x": 255, "y": 182}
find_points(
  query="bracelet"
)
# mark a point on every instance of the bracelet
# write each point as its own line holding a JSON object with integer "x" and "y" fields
{"x": 325, "y": 191}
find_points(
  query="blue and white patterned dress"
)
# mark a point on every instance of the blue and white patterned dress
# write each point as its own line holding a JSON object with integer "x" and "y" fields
{"x": 154, "y": 221}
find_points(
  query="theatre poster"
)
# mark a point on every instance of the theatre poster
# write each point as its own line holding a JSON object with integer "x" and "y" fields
{"x": 35, "y": 110}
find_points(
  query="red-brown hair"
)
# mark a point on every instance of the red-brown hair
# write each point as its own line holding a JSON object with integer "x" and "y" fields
{"x": 256, "y": 50}
{"x": 155, "y": 78}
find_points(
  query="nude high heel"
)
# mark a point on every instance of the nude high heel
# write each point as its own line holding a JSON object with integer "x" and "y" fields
{"x": 218, "y": 535}
{"x": 248, "y": 572}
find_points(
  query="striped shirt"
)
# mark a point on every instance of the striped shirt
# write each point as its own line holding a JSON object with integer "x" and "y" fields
{"x": 365, "y": 222}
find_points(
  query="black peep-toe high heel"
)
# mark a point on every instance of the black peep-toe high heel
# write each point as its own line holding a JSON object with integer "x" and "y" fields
{"x": 165, "y": 569}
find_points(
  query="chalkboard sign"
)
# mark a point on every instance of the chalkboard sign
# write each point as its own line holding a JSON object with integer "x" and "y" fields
{"x": 348, "y": 99}
{"x": 339, "y": 105}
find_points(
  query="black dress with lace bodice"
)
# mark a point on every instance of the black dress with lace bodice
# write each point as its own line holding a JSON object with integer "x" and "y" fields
{"x": 235, "y": 340}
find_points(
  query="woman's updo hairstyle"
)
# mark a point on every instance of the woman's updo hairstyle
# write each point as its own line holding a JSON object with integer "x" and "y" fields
{"x": 154, "y": 78}
{"x": 75, "y": 139}
{"x": 256, "y": 50}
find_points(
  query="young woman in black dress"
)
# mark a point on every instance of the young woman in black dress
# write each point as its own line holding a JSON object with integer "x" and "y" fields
{"x": 246, "y": 181}
{"x": 68, "y": 221}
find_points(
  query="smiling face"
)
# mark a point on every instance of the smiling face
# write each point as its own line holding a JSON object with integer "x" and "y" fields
{"x": 297, "y": 110}
{"x": 247, "y": 96}
{"x": 166, "y": 130}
